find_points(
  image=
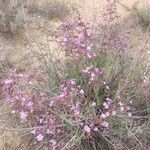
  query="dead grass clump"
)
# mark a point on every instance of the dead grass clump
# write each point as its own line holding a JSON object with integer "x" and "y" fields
{"x": 51, "y": 10}
{"x": 56, "y": 10}
{"x": 11, "y": 16}
{"x": 144, "y": 15}
{"x": 139, "y": 14}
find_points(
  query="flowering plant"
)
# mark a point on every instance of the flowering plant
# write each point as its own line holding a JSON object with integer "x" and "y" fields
{"x": 92, "y": 96}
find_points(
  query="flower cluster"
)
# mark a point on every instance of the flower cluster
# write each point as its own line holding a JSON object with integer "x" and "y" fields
{"x": 33, "y": 108}
{"x": 108, "y": 111}
{"x": 71, "y": 96}
{"x": 85, "y": 107}
{"x": 111, "y": 110}
{"x": 19, "y": 96}
{"x": 76, "y": 38}
{"x": 110, "y": 13}
{"x": 69, "y": 90}
{"x": 110, "y": 35}
{"x": 47, "y": 127}
{"x": 46, "y": 119}
{"x": 125, "y": 107}
{"x": 93, "y": 74}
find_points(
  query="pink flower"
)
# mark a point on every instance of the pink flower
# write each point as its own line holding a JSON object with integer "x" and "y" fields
{"x": 122, "y": 108}
{"x": 76, "y": 113}
{"x": 41, "y": 120}
{"x": 53, "y": 142}
{"x": 48, "y": 131}
{"x": 93, "y": 104}
{"x": 128, "y": 108}
{"x": 96, "y": 129}
{"x": 113, "y": 113}
{"x": 8, "y": 81}
{"x": 106, "y": 106}
{"x": 108, "y": 99}
{"x": 129, "y": 114}
{"x": 107, "y": 88}
{"x": 30, "y": 103}
{"x": 61, "y": 96}
{"x": 72, "y": 82}
{"x": 30, "y": 82}
{"x": 23, "y": 115}
{"x": 33, "y": 131}
{"x": 92, "y": 75}
{"x": 120, "y": 103}
{"x": 103, "y": 116}
{"x": 86, "y": 71}
{"x": 87, "y": 129}
{"x": 107, "y": 114}
{"x": 13, "y": 112}
{"x": 51, "y": 103}
{"x": 39, "y": 137}
{"x": 104, "y": 124}
{"x": 81, "y": 92}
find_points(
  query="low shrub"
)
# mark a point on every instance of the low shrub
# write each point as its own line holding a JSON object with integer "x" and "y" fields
{"x": 89, "y": 101}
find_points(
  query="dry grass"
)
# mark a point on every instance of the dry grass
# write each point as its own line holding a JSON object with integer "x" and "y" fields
{"x": 144, "y": 15}
{"x": 50, "y": 10}
{"x": 11, "y": 16}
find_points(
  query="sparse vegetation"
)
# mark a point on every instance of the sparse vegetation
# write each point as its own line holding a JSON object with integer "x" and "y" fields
{"x": 51, "y": 10}
{"x": 84, "y": 88}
